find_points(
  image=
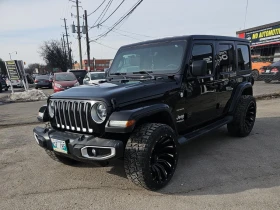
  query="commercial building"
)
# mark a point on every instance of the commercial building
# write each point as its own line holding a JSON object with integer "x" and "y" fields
{"x": 265, "y": 41}
{"x": 95, "y": 64}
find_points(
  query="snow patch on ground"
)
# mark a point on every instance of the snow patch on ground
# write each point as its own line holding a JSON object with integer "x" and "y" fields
{"x": 29, "y": 95}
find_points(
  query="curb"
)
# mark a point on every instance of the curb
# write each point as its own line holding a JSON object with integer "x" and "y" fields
{"x": 268, "y": 96}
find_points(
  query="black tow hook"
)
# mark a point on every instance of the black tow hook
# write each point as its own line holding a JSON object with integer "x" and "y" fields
{"x": 81, "y": 138}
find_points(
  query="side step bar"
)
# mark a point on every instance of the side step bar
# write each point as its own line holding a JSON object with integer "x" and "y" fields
{"x": 192, "y": 135}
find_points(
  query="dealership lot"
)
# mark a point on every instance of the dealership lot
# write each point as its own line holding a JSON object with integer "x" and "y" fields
{"x": 214, "y": 172}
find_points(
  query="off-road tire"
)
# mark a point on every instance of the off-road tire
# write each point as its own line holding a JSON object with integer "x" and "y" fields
{"x": 244, "y": 117}
{"x": 59, "y": 158}
{"x": 145, "y": 162}
{"x": 267, "y": 80}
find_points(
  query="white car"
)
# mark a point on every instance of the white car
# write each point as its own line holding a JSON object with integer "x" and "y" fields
{"x": 94, "y": 78}
{"x": 15, "y": 83}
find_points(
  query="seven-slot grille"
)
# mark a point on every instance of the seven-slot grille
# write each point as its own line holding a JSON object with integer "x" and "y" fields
{"x": 73, "y": 114}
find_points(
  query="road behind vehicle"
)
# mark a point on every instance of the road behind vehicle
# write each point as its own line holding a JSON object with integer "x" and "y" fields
{"x": 159, "y": 95}
{"x": 43, "y": 81}
{"x": 79, "y": 73}
{"x": 63, "y": 81}
{"x": 271, "y": 72}
{"x": 94, "y": 78}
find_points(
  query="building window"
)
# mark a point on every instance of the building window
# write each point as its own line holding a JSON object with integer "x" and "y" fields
{"x": 203, "y": 52}
{"x": 225, "y": 58}
{"x": 243, "y": 57}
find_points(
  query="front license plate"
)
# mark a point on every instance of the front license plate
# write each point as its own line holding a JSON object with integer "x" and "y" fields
{"x": 59, "y": 146}
{"x": 267, "y": 71}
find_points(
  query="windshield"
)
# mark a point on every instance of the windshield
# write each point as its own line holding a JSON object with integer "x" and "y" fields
{"x": 155, "y": 58}
{"x": 65, "y": 77}
{"x": 97, "y": 76}
{"x": 42, "y": 77}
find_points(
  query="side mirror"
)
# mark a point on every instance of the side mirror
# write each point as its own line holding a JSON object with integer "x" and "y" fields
{"x": 199, "y": 68}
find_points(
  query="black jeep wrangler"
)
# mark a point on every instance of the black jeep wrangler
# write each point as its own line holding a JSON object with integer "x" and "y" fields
{"x": 158, "y": 95}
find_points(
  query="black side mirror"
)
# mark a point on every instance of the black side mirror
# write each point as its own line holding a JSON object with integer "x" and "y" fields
{"x": 199, "y": 68}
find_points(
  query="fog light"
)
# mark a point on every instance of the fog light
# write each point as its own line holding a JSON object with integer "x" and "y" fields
{"x": 93, "y": 151}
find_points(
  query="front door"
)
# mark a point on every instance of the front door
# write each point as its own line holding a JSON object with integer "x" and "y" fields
{"x": 200, "y": 92}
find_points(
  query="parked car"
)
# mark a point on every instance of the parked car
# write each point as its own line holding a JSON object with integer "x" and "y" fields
{"x": 79, "y": 73}
{"x": 94, "y": 78}
{"x": 271, "y": 72}
{"x": 63, "y": 81}
{"x": 43, "y": 81}
{"x": 14, "y": 83}
{"x": 161, "y": 94}
{"x": 257, "y": 65}
{"x": 3, "y": 85}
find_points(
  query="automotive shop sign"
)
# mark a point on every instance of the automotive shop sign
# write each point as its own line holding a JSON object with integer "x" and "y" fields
{"x": 264, "y": 36}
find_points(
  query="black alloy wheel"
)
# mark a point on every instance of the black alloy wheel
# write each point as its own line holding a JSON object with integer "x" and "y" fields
{"x": 250, "y": 116}
{"x": 151, "y": 155}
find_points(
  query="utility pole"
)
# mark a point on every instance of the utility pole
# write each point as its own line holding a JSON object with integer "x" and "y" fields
{"x": 79, "y": 34}
{"x": 68, "y": 49}
{"x": 63, "y": 44}
{"x": 87, "y": 40}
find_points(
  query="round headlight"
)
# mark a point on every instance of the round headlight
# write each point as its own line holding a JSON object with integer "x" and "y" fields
{"x": 99, "y": 112}
{"x": 51, "y": 109}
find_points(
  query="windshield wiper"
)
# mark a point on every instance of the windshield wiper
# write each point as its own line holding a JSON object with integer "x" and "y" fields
{"x": 120, "y": 74}
{"x": 145, "y": 72}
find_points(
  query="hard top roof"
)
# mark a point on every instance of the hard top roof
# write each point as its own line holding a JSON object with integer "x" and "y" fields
{"x": 190, "y": 37}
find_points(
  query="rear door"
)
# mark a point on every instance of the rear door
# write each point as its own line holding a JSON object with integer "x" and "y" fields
{"x": 225, "y": 73}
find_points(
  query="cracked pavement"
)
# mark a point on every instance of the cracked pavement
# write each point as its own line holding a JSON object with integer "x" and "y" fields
{"x": 214, "y": 172}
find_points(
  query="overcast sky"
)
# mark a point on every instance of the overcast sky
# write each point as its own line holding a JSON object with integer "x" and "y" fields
{"x": 26, "y": 24}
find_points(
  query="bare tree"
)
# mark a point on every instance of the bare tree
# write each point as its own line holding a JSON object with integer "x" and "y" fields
{"x": 53, "y": 54}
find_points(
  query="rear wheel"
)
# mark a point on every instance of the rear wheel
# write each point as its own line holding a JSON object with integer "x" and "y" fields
{"x": 151, "y": 156}
{"x": 255, "y": 74}
{"x": 59, "y": 158}
{"x": 244, "y": 117}
{"x": 267, "y": 80}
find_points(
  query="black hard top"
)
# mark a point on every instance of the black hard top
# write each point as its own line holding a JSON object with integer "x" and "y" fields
{"x": 190, "y": 37}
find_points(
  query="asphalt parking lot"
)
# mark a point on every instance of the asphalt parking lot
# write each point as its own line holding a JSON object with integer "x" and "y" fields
{"x": 214, "y": 172}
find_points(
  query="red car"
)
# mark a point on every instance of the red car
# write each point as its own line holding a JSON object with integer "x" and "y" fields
{"x": 63, "y": 81}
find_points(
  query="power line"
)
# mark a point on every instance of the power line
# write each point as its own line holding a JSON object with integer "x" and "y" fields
{"x": 129, "y": 32}
{"x": 108, "y": 16}
{"x": 106, "y": 10}
{"x": 120, "y": 20}
{"x": 110, "y": 1}
{"x": 103, "y": 44}
{"x": 97, "y": 8}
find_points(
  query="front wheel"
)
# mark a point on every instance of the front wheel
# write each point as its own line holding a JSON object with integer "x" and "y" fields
{"x": 151, "y": 156}
{"x": 244, "y": 117}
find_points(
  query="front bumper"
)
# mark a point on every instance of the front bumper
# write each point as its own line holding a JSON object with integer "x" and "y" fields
{"x": 80, "y": 146}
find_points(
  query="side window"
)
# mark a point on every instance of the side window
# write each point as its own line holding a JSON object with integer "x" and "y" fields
{"x": 243, "y": 57}
{"x": 203, "y": 52}
{"x": 225, "y": 58}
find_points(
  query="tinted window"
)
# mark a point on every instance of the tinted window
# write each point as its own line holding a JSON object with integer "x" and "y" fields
{"x": 97, "y": 76}
{"x": 243, "y": 58}
{"x": 203, "y": 52}
{"x": 225, "y": 58}
{"x": 78, "y": 73}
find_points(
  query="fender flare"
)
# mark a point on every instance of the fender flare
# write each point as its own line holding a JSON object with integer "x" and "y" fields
{"x": 238, "y": 93}
{"x": 137, "y": 114}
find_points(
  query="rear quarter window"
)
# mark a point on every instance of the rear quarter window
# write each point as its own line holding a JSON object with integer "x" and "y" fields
{"x": 243, "y": 57}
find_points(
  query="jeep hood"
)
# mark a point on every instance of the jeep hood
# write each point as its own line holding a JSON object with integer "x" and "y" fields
{"x": 123, "y": 93}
